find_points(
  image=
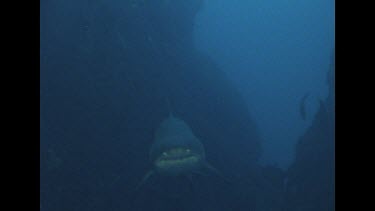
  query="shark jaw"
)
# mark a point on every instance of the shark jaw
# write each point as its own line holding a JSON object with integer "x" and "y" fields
{"x": 177, "y": 161}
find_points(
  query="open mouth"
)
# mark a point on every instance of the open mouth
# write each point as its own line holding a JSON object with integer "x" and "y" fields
{"x": 177, "y": 158}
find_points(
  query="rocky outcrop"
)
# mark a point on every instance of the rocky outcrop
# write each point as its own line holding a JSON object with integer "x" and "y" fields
{"x": 311, "y": 178}
{"x": 107, "y": 68}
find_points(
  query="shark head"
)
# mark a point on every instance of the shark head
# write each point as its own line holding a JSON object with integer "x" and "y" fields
{"x": 176, "y": 150}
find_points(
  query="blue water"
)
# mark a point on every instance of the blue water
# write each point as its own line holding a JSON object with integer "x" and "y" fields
{"x": 234, "y": 71}
{"x": 275, "y": 52}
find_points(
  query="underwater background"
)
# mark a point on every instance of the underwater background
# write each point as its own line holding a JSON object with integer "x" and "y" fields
{"x": 253, "y": 79}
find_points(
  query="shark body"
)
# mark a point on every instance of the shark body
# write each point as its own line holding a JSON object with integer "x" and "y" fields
{"x": 176, "y": 151}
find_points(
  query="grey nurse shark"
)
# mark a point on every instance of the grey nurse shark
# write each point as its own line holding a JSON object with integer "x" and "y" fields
{"x": 176, "y": 151}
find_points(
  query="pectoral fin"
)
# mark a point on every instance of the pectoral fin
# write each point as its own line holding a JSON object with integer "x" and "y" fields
{"x": 216, "y": 172}
{"x": 134, "y": 195}
{"x": 144, "y": 179}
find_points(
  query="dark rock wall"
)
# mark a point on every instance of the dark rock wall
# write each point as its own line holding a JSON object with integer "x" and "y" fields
{"x": 311, "y": 178}
{"x": 107, "y": 68}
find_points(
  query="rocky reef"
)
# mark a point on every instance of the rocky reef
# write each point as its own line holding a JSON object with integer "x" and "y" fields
{"x": 107, "y": 68}
{"x": 311, "y": 179}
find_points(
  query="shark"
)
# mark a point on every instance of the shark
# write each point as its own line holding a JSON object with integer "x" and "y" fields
{"x": 176, "y": 151}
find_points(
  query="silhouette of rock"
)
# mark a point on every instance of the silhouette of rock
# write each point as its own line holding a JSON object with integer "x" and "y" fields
{"x": 107, "y": 68}
{"x": 311, "y": 178}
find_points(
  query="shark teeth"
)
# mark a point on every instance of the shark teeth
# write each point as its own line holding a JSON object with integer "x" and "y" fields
{"x": 170, "y": 163}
